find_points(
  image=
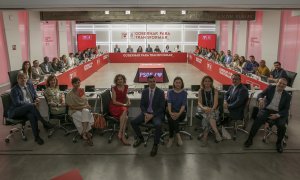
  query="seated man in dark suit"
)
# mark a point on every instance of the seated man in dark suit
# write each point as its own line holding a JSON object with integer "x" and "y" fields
{"x": 277, "y": 73}
{"x": 117, "y": 49}
{"x": 46, "y": 66}
{"x": 274, "y": 104}
{"x": 149, "y": 48}
{"x": 236, "y": 98}
{"x": 24, "y": 105}
{"x": 153, "y": 110}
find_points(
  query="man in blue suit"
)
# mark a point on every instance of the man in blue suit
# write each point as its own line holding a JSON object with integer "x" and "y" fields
{"x": 274, "y": 104}
{"x": 236, "y": 98}
{"x": 153, "y": 111}
{"x": 24, "y": 105}
{"x": 228, "y": 57}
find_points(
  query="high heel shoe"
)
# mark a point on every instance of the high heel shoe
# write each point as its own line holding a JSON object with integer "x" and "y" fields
{"x": 124, "y": 143}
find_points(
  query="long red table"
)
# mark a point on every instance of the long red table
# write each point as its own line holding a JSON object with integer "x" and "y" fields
{"x": 148, "y": 57}
{"x": 82, "y": 71}
{"x": 221, "y": 73}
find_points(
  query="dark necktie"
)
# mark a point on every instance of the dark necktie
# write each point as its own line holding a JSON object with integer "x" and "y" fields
{"x": 150, "y": 101}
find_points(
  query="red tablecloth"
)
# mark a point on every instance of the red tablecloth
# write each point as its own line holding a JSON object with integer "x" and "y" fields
{"x": 82, "y": 71}
{"x": 147, "y": 57}
{"x": 221, "y": 73}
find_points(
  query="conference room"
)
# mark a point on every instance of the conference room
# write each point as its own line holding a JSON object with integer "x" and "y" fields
{"x": 140, "y": 90}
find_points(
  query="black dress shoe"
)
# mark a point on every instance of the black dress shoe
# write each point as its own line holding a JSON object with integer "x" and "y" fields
{"x": 279, "y": 147}
{"x": 138, "y": 142}
{"x": 154, "y": 150}
{"x": 248, "y": 143}
{"x": 39, "y": 140}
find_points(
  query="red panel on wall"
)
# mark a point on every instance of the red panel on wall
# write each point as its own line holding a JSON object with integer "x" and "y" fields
{"x": 3, "y": 52}
{"x": 254, "y": 36}
{"x": 289, "y": 45}
{"x": 23, "y": 29}
{"x": 49, "y": 35}
{"x": 224, "y": 36}
{"x": 207, "y": 41}
{"x": 85, "y": 41}
{"x": 69, "y": 36}
{"x": 235, "y": 30}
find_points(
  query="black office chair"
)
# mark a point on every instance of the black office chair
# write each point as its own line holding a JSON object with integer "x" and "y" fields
{"x": 89, "y": 88}
{"x": 225, "y": 87}
{"x": 6, "y": 102}
{"x": 62, "y": 87}
{"x": 219, "y": 121}
{"x": 112, "y": 123}
{"x": 292, "y": 77}
{"x": 59, "y": 117}
{"x": 13, "y": 77}
{"x": 195, "y": 88}
{"x": 242, "y": 127}
{"x": 182, "y": 125}
{"x": 146, "y": 86}
{"x": 269, "y": 131}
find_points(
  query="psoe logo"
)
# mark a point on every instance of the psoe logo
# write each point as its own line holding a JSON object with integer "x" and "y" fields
{"x": 86, "y": 37}
{"x": 209, "y": 66}
{"x": 73, "y": 74}
{"x": 198, "y": 60}
{"x": 206, "y": 37}
{"x": 88, "y": 66}
{"x": 124, "y": 35}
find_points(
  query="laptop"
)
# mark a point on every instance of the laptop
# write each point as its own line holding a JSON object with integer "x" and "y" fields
{"x": 264, "y": 78}
{"x": 62, "y": 87}
{"x": 89, "y": 88}
{"x": 40, "y": 87}
{"x": 195, "y": 88}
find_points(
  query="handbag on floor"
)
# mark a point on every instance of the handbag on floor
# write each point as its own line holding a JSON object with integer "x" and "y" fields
{"x": 99, "y": 120}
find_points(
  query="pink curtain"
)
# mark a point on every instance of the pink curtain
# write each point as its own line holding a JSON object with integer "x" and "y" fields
{"x": 254, "y": 36}
{"x": 23, "y": 29}
{"x": 69, "y": 36}
{"x": 4, "y": 56}
{"x": 289, "y": 42}
{"x": 223, "y": 36}
{"x": 235, "y": 31}
{"x": 49, "y": 38}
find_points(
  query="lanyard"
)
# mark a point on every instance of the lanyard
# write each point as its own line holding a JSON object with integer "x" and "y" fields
{"x": 210, "y": 104}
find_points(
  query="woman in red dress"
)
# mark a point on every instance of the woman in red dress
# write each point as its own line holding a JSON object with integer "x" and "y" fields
{"x": 118, "y": 107}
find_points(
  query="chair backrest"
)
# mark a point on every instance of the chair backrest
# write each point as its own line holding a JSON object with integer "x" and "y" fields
{"x": 195, "y": 87}
{"x": 225, "y": 87}
{"x": 248, "y": 86}
{"x": 292, "y": 77}
{"x": 6, "y": 103}
{"x": 13, "y": 77}
{"x": 170, "y": 86}
{"x": 62, "y": 87}
{"x": 89, "y": 88}
{"x": 105, "y": 100}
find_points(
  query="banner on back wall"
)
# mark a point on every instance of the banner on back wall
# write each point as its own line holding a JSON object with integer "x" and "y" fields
{"x": 85, "y": 41}
{"x": 207, "y": 41}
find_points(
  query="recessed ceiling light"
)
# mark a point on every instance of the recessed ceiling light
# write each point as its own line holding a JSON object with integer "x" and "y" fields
{"x": 163, "y": 12}
{"x": 127, "y": 12}
{"x": 106, "y": 12}
{"x": 183, "y": 11}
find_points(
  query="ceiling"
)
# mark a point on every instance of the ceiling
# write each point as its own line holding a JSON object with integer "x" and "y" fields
{"x": 74, "y": 5}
